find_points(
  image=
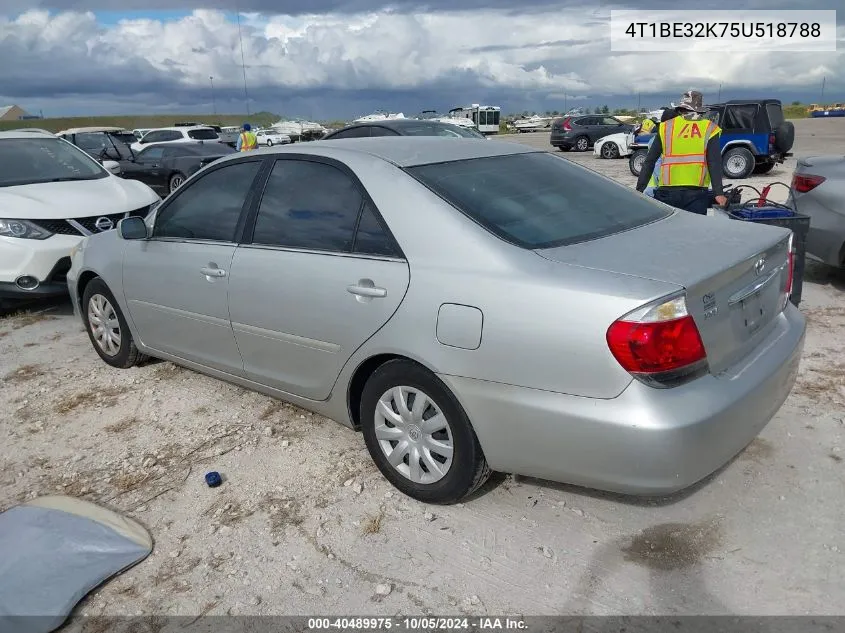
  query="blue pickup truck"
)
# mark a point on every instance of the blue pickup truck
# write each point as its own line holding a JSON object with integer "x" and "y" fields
{"x": 755, "y": 137}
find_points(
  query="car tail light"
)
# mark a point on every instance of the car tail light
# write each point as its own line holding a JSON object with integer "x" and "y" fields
{"x": 659, "y": 343}
{"x": 566, "y": 125}
{"x": 802, "y": 183}
{"x": 771, "y": 140}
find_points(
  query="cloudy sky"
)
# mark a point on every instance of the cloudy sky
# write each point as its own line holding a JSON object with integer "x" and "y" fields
{"x": 340, "y": 58}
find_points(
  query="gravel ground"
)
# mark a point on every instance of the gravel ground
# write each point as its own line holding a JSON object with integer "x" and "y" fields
{"x": 305, "y": 524}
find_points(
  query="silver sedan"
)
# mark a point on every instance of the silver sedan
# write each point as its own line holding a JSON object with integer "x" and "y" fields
{"x": 467, "y": 305}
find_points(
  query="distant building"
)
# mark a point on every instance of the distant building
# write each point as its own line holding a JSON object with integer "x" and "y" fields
{"x": 14, "y": 113}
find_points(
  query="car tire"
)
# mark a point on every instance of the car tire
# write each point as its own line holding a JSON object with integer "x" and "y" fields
{"x": 609, "y": 150}
{"x": 737, "y": 163}
{"x": 465, "y": 471}
{"x": 582, "y": 144}
{"x": 176, "y": 181}
{"x": 635, "y": 162}
{"x": 269, "y": 143}
{"x": 99, "y": 304}
{"x": 763, "y": 168}
{"x": 563, "y": 148}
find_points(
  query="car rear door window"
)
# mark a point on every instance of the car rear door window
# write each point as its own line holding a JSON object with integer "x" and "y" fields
{"x": 203, "y": 134}
{"x": 153, "y": 137}
{"x": 538, "y": 200}
{"x": 308, "y": 205}
{"x": 208, "y": 208}
{"x": 775, "y": 112}
{"x": 372, "y": 236}
{"x": 151, "y": 155}
{"x": 739, "y": 117}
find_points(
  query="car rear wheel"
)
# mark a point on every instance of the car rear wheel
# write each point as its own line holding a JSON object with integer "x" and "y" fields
{"x": 610, "y": 150}
{"x": 582, "y": 144}
{"x": 107, "y": 328}
{"x": 419, "y": 436}
{"x": 176, "y": 181}
{"x": 635, "y": 162}
{"x": 269, "y": 143}
{"x": 737, "y": 162}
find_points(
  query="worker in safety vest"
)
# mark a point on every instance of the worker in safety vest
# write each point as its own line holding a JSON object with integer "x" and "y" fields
{"x": 247, "y": 140}
{"x": 691, "y": 160}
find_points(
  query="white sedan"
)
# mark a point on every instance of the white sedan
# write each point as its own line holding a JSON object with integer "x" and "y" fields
{"x": 614, "y": 145}
{"x": 271, "y": 137}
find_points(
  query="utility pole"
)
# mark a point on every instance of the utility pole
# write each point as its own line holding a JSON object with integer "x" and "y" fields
{"x": 638, "y": 103}
{"x": 243, "y": 62}
{"x": 564, "y": 103}
{"x": 821, "y": 101}
{"x": 213, "y": 105}
{"x": 719, "y": 98}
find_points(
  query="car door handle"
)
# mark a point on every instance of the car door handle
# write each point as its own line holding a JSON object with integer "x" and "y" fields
{"x": 366, "y": 291}
{"x": 213, "y": 272}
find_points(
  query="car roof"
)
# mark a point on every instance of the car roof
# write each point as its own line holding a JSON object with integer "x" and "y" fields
{"x": 404, "y": 151}
{"x": 24, "y": 133}
{"x": 744, "y": 102}
{"x": 179, "y": 128}
{"x": 80, "y": 130}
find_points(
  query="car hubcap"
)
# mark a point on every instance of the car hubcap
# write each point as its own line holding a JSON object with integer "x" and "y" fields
{"x": 105, "y": 327}
{"x": 582, "y": 143}
{"x": 638, "y": 163}
{"x": 609, "y": 150}
{"x": 736, "y": 164}
{"x": 176, "y": 182}
{"x": 414, "y": 435}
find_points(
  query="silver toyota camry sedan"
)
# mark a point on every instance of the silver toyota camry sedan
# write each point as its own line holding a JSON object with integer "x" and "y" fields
{"x": 468, "y": 305}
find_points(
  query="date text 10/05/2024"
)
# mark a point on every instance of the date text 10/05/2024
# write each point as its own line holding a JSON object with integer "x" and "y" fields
{"x": 734, "y": 30}
{"x": 418, "y": 624}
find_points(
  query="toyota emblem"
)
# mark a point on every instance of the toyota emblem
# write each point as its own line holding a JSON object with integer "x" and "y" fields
{"x": 104, "y": 224}
{"x": 759, "y": 266}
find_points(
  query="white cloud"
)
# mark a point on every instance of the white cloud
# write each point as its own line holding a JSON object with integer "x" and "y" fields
{"x": 553, "y": 52}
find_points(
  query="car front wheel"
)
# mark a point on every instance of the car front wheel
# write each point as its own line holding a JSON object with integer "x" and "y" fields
{"x": 269, "y": 143}
{"x": 419, "y": 436}
{"x": 610, "y": 150}
{"x": 737, "y": 163}
{"x": 107, "y": 328}
{"x": 175, "y": 182}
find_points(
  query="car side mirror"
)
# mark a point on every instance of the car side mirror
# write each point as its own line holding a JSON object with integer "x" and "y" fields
{"x": 133, "y": 228}
{"x": 112, "y": 166}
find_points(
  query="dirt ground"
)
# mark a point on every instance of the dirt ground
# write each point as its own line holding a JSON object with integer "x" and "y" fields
{"x": 305, "y": 524}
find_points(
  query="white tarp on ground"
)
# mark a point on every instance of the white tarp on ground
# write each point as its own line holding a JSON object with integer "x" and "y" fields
{"x": 53, "y": 551}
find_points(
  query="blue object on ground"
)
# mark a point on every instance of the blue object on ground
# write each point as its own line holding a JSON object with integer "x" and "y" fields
{"x": 764, "y": 212}
{"x": 213, "y": 479}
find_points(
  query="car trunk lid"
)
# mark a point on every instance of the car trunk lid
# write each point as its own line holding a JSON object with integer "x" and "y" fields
{"x": 734, "y": 274}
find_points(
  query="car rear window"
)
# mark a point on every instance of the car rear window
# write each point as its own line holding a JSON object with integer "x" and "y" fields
{"x": 205, "y": 134}
{"x": 775, "y": 113}
{"x": 538, "y": 200}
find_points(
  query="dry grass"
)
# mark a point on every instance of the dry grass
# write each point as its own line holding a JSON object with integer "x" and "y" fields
{"x": 123, "y": 425}
{"x": 23, "y": 373}
{"x": 283, "y": 511}
{"x": 167, "y": 371}
{"x": 373, "y": 524}
{"x": 105, "y": 397}
{"x": 23, "y": 319}
{"x": 175, "y": 567}
{"x": 128, "y": 481}
{"x": 272, "y": 409}
{"x": 228, "y": 513}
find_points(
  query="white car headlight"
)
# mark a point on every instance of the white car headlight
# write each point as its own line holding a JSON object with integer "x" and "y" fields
{"x": 23, "y": 229}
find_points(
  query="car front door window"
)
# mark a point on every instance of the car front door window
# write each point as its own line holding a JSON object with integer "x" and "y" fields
{"x": 177, "y": 289}
{"x": 210, "y": 208}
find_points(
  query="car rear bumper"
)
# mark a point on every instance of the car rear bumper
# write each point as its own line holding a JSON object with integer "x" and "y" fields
{"x": 646, "y": 441}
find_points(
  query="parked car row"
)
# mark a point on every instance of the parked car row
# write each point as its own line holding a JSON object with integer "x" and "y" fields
{"x": 755, "y": 137}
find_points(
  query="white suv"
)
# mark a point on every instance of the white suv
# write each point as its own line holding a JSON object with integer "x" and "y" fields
{"x": 52, "y": 194}
{"x": 177, "y": 134}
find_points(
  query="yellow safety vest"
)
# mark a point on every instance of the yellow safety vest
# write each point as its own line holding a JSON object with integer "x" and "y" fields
{"x": 684, "y": 160}
{"x": 248, "y": 141}
{"x": 647, "y": 126}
